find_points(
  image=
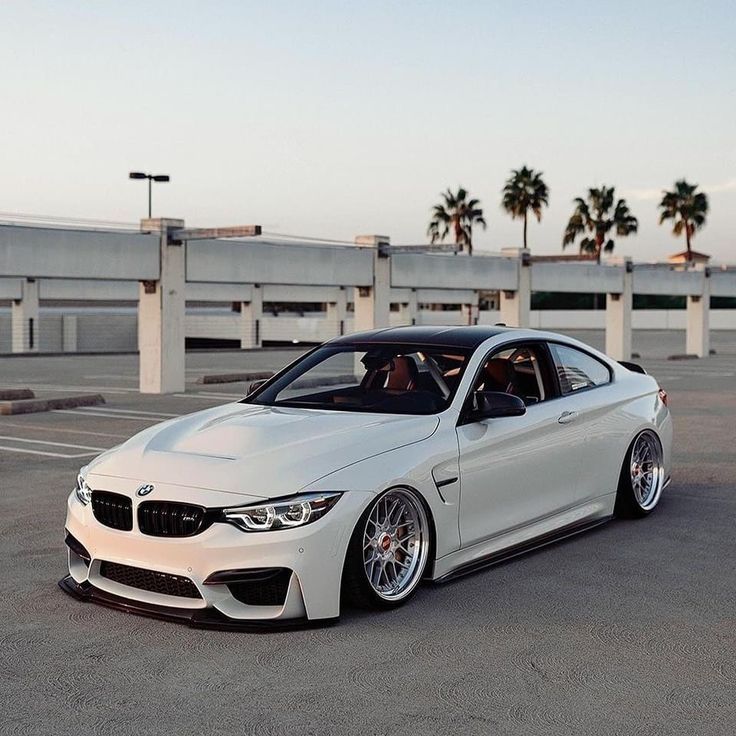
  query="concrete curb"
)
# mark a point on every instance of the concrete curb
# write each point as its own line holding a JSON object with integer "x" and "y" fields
{"x": 15, "y": 394}
{"x": 234, "y": 377}
{"x": 29, "y": 406}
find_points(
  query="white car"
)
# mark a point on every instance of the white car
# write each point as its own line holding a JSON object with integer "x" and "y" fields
{"x": 374, "y": 462}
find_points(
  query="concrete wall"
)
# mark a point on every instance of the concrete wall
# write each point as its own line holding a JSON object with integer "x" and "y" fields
{"x": 58, "y": 253}
{"x": 259, "y": 262}
{"x": 95, "y": 330}
{"x": 431, "y": 271}
{"x": 116, "y": 330}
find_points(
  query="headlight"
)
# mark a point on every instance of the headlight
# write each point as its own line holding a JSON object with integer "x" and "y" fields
{"x": 82, "y": 490}
{"x": 282, "y": 513}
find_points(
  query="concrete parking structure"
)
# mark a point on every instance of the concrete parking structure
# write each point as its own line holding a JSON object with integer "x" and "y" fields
{"x": 167, "y": 260}
{"x": 628, "y": 629}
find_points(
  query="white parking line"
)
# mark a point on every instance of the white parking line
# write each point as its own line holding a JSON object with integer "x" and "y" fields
{"x": 107, "y": 415}
{"x": 65, "y": 430}
{"x": 129, "y": 411}
{"x": 46, "y": 454}
{"x": 53, "y": 444}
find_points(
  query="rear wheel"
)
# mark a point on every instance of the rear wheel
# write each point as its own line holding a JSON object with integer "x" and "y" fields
{"x": 388, "y": 551}
{"x": 642, "y": 476}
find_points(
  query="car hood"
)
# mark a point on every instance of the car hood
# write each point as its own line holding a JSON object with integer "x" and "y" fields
{"x": 257, "y": 450}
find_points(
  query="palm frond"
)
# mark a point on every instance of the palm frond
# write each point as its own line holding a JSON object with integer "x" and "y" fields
{"x": 455, "y": 213}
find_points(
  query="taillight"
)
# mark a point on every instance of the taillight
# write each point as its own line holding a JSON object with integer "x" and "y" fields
{"x": 663, "y": 396}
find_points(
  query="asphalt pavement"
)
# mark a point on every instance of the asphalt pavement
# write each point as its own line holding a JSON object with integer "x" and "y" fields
{"x": 628, "y": 629}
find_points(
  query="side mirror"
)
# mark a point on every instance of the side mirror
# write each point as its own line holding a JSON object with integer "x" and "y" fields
{"x": 255, "y": 385}
{"x": 496, "y": 404}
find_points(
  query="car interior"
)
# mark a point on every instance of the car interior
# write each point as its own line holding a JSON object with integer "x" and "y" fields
{"x": 518, "y": 371}
{"x": 414, "y": 380}
{"x": 394, "y": 380}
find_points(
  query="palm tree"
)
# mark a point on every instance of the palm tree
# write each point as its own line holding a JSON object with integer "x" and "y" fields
{"x": 687, "y": 207}
{"x": 525, "y": 190}
{"x": 458, "y": 213}
{"x": 599, "y": 216}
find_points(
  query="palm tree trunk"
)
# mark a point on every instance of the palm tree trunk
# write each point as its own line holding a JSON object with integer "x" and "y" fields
{"x": 598, "y": 251}
{"x": 525, "y": 218}
{"x": 687, "y": 242}
{"x": 458, "y": 233}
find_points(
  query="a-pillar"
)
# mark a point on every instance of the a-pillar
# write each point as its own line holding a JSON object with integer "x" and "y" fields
{"x": 251, "y": 319}
{"x": 24, "y": 319}
{"x": 698, "y": 319}
{"x": 515, "y": 305}
{"x": 337, "y": 313}
{"x": 373, "y": 303}
{"x": 619, "y": 306}
{"x": 161, "y": 305}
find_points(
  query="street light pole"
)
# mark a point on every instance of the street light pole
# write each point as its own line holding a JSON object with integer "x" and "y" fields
{"x": 151, "y": 178}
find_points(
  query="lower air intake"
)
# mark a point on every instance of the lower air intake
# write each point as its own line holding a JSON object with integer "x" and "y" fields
{"x": 155, "y": 582}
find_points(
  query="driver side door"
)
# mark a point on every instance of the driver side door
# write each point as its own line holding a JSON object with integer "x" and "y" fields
{"x": 516, "y": 470}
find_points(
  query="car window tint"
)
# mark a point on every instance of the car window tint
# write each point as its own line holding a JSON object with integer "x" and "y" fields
{"x": 578, "y": 370}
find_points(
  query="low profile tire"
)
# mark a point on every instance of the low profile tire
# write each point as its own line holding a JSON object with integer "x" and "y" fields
{"x": 642, "y": 476}
{"x": 388, "y": 551}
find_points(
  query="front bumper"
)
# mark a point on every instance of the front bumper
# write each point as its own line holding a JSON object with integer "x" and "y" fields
{"x": 313, "y": 555}
{"x": 203, "y": 618}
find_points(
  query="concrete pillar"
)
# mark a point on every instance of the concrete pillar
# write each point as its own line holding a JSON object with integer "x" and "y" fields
{"x": 251, "y": 320}
{"x": 409, "y": 310}
{"x": 515, "y": 306}
{"x": 373, "y": 303}
{"x": 24, "y": 319}
{"x": 619, "y": 307}
{"x": 337, "y": 313}
{"x": 161, "y": 317}
{"x": 470, "y": 313}
{"x": 697, "y": 335}
{"x": 69, "y": 326}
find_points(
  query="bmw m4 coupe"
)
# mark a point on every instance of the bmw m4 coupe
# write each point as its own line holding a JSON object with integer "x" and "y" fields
{"x": 374, "y": 462}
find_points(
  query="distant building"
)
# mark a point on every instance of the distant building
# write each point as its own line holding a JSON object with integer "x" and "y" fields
{"x": 681, "y": 257}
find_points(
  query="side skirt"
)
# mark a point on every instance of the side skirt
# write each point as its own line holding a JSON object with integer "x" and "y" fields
{"x": 543, "y": 540}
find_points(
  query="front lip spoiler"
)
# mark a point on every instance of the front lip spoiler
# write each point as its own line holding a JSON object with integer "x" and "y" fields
{"x": 201, "y": 618}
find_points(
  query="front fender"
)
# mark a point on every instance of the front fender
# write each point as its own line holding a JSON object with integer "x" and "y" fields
{"x": 411, "y": 466}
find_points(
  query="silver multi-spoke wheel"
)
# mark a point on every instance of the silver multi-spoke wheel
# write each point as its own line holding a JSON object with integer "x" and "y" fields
{"x": 395, "y": 544}
{"x": 646, "y": 470}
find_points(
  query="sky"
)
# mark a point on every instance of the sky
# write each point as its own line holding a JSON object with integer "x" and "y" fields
{"x": 333, "y": 119}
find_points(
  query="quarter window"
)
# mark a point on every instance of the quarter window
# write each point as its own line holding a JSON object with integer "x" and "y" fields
{"x": 578, "y": 370}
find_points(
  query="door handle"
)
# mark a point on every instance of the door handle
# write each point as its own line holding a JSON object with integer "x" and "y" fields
{"x": 567, "y": 416}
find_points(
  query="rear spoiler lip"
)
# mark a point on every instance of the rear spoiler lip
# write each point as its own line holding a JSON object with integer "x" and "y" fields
{"x": 634, "y": 367}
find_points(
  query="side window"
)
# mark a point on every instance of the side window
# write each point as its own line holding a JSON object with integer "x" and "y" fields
{"x": 516, "y": 370}
{"x": 578, "y": 370}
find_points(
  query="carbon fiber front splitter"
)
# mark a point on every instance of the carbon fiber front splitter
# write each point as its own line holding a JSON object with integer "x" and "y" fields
{"x": 202, "y": 618}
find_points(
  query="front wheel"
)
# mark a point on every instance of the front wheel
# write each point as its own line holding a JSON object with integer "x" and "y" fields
{"x": 388, "y": 551}
{"x": 642, "y": 476}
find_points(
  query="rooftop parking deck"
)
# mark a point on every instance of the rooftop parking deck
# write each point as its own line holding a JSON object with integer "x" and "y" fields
{"x": 627, "y": 629}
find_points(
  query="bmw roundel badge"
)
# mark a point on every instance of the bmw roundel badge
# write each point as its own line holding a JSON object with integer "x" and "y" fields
{"x": 144, "y": 490}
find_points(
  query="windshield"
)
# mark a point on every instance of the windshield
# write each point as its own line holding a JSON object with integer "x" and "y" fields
{"x": 384, "y": 379}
